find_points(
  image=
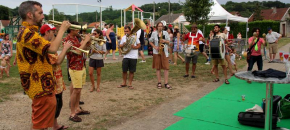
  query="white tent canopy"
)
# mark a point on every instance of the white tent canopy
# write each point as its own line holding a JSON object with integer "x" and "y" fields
{"x": 218, "y": 13}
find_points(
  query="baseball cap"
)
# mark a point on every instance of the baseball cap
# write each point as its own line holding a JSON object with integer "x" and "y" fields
{"x": 46, "y": 27}
{"x": 170, "y": 26}
{"x": 269, "y": 28}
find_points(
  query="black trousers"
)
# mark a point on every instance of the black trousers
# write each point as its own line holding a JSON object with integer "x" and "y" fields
{"x": 252, "y": 61}
{"x": 58, "y": 104}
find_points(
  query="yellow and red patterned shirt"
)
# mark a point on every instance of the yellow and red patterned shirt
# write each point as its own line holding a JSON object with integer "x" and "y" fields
{"x": 57, "y": 74}
{"x": 33, "y": 64}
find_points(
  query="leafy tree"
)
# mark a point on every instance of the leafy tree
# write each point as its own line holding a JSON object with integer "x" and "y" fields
{"x": 162, "y": 12}
{"x": 4, "y": 11}
{"x": 58, "y": 16}
{"x": 196, "y": 11}
{"x": 257, "y": 13}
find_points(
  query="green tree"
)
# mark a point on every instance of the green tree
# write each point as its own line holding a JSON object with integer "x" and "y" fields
{"x": 196, "y": 11}
{"x": 4, "y": 11}
{"x": 162, "y": 12}
{"x": 58, "y": 16}
{"x": 257, "y": 13}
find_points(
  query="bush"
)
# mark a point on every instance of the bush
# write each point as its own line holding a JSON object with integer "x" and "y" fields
{"x": 237, "y": 27}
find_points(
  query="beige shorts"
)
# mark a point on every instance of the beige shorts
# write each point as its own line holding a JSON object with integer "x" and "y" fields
{"x": 218, "y": 61}
{"x": 273, "y": 48}
{"x": 78, "y": 77}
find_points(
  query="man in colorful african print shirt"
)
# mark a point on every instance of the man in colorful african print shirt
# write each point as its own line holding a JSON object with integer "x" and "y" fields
{"x": 34, "y": 66}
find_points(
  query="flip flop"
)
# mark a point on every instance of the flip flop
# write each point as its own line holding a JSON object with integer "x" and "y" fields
{"x": 130, "y": 87}
{"x": 63, "y": 127}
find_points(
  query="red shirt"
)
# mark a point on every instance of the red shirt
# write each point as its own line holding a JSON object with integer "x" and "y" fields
{"x": 193, "y": 39}
{"x": 76, "y": 62}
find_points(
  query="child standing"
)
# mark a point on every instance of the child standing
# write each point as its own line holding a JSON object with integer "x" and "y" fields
{"x": 119, "y": 42}
{"x": 233, "y": 58}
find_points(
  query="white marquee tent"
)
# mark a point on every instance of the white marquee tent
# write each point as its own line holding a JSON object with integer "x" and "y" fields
{"x": 219, "y": 14}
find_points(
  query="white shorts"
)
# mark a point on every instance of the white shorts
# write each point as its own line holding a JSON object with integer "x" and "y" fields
{"x": 3, "y": 55}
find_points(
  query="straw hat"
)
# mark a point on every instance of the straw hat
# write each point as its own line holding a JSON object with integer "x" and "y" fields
{"x": 176, "y": 27}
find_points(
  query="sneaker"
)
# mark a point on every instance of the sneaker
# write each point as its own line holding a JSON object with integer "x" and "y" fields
{"x": 207, "y": 63}
{"x": 142, "y": 61}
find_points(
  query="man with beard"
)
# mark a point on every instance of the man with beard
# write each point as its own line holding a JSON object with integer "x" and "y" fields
{"x": 35, "y": 70}
{"x": 215, "y": 62}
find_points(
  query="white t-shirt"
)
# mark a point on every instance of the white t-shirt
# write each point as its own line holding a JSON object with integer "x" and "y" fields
{"x": 138, "y": 33}
{"x": 133, "y": 53}
{"x": 200, "y": 32}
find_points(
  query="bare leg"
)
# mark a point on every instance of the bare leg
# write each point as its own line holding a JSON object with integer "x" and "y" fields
{"x": 229, "y": 64}
{"x": 71, "y": 89}
{"x": 78, "y": 97}
{"x": 114, "y": 57}
{"x": 205, "y": 55}
{"x": 91, "y": 73}
{"x": 170, "y": 54}
{"x": 73, "y": 101}
{"x": 215, "y": 68}
{"x": 274, "y": 56}
{"x": 124, "y": 78}
{"x": 158, "y": 74}
{"x": 99, "y": 70}
{"x": 131, "y": 76}
{"x": 175, "y": 58}
{"x": 193, "y": 69}
{"x": 166, "y": 73}
{"x": 186, "y": 68}
{"x": 225, "y": 71}
{"x": 180, "y": 57}
{"x": 105, "y": 57}
{"x": 142, "y": 55}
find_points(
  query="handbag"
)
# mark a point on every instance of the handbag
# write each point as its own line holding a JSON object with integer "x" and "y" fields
{"x": 284, "y": 107}
{"x": 249, "y": 51}
{"x": 256, "y": 119}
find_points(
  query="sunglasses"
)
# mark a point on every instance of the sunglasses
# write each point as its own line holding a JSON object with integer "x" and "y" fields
{"x": 94, "y": 33}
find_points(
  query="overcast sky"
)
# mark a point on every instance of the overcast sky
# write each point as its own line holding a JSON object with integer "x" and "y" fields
{"x": 119, "y": 4}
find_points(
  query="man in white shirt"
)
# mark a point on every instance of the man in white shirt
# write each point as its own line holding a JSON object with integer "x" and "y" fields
{"x": 272, "y": 38}
{"x": 141, "y": 37}
{"x": 201, "y": 49}
{"x": 129, "y": 62}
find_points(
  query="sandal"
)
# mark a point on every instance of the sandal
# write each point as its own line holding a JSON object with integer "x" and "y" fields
{"x": 168, "y": 86}
{"x": 159, "y": 85}
{"x": 83, "y": 112}
{"x": 216, "y": 80}
{"x": 227, "y": 81}
{"x": 192, "y": 76}
{"x": 185, "y": 75}
{"x": 130, "y": 87}
{"x": 122, "y": 86}
{"x": 75, "y": 118}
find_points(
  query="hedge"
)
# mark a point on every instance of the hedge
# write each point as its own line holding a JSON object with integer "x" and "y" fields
{"x": 237, "y": 27}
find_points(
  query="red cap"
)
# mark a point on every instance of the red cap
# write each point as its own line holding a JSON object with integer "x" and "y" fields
{"x": 46, "y": 27}
{"x": 170, "y": 25}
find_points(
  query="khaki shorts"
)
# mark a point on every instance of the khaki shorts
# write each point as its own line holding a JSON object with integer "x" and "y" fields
{"x": 273, "y": 48}
{"x": 218, "y": 61}
{"x": 78, "y": 77}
